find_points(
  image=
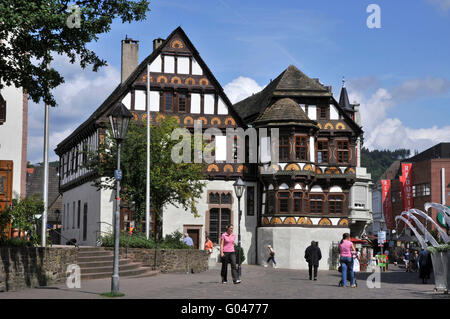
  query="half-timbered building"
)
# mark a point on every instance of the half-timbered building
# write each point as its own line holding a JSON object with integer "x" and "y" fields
{"x": 306, "y": 195}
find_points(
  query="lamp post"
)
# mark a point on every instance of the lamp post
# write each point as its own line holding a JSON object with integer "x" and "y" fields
{"x": 239, "y": 187}
{"x": 119, "y": 119}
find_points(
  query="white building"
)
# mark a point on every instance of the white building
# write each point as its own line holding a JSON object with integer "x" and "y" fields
{"x": 306, "y": 196}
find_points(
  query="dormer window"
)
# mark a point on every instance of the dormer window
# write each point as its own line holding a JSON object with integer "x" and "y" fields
{"x": 322, "y": 112}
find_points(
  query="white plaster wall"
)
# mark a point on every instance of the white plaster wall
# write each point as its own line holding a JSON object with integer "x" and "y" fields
{"x": 334, "y": 114}
{"x": 196, "y": 69}
{"x": 183, "y": 65}
{"x": 174, "y": 218}
{"x": 312, "y": 151}
{"x": 100, "y": 208}
{"x": 209, "y": 104}
{"x": 312, "y": 112}
{"x": 156, "y": 65}
{"x": 169, "y": 64}
{"x": 11, "y": 133}
{"x": 140, "y": 100}
{"x": 154, "y": 101}
{"x": 127, "y": 100}
{"x": 290, "y": 244}
{"x": 221, "y": 107}
{"x": 195, "y": 103}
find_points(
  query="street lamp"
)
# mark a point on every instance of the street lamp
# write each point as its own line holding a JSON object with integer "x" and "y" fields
{"x": 239, "y": 187}
{"x": 119, "y": 119}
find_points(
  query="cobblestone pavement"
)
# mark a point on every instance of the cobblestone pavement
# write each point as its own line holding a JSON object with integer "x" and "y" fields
{"x": 257, "y": 283}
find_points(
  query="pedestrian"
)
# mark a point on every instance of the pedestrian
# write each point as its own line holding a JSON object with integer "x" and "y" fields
{"x": 356, "y": 261}
{"x": 386, "y": 253}
{"x": 188, "y": 240}
{"x": 415, "y": 261}
{"x": 345, "y": 251}
{"x": 228, "y": 255}
{"x": 208, "y": 245}
{"x": 312, "y": 256}
{"x": 271, "y": 257}
{"x": 406, "y": 259}
{"x": 425, "y": 265}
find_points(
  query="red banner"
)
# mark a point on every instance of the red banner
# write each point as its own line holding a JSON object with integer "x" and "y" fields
{"x": 406, "y": 180}
{"x": 387, "y": 206}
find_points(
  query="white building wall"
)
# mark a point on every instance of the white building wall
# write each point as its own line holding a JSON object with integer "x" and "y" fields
{"x": 290, "y": 244}
{"x": 100, "y": 208}
{"x": 175, "y": 218}
{"x": 11, "y": 134}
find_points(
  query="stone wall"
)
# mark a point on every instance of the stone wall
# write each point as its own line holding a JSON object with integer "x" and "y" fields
{"x": 22, "y": 267}
{"x": 169, "y": 260}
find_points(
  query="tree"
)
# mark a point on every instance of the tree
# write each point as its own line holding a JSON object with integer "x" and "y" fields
{"x": 177, "y": 184}
{"x": 22, "y": 215}
{"x": 31, "y": 30}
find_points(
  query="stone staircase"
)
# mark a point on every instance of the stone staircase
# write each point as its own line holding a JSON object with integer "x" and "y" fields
{"x": 96, "y": 263}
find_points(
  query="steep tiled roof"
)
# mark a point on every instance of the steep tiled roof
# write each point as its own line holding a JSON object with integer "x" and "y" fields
{"x": 284, "y": 111}
{"x": 291, "y": 81}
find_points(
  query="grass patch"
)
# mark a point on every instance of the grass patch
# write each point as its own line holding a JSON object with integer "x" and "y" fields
{"x": 112, "y": 294}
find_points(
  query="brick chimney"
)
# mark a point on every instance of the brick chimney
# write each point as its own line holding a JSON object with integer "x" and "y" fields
{"x": 157, "y": 43}
{"x": 130, "y": 56}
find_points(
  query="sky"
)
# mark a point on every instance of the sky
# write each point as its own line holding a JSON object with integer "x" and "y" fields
{"x": 399, "y": 72}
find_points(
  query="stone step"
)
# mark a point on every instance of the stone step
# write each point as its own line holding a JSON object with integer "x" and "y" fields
{"x": 93, "y": 259}
{"x": 94, "y": 270}
{"x": 99, "y": 253}
{"x": 103, "y": 263}
{"x": 126, "y": 273}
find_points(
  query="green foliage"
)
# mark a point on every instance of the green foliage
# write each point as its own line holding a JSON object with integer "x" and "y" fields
{"x": 239, "y": 252}
{"x": 377, "y": 162}
{"x": 36, "y": 29}
{"x": 139, "y": 240}
{"x": 22, "y": 216}
{"x": 441, "y": 248}
{"x": 112, "y": 294}
{"x": 14, "y": 242}
{"x": 178, "y": 184}
{"x": 436, "y": 236}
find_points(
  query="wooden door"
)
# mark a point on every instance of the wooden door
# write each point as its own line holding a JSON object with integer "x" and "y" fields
{"x": 194, "y": 234}
{"x": 6, "y": 186}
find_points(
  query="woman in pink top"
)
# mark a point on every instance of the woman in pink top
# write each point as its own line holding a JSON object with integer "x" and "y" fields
{"x": 228, "y": 256}
{"x": 345, "y": 251}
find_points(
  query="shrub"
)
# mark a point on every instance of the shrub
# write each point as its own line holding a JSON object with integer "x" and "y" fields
{"x": 440, "y": 248}
{"x": 15, "y": 242}
{"x": 237, "y": 250}
{"x": 139, "y": 240}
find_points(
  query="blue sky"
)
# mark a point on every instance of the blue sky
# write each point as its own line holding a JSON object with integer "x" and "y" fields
{"x": 399, "y": 73}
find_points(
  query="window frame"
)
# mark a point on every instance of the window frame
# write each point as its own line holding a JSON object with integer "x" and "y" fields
{"x": 165, "y": 95}
{"x": 284, "y": 147}
{"x": 300, "y": 201}
{"x": 322, "y": 150}
{"x": 343, "y": 151}
{"x": 322, "y": 201}
{"x": 300, "y": 146}
{"x": 185, "y": 102}
{"x": 330, "y": 201}
{"x": 287, "y": 199}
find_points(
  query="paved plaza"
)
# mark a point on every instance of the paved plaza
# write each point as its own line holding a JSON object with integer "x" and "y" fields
{"x": 257, "y": 283}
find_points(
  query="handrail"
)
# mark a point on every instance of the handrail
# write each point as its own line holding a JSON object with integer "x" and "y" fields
{"x": 76, "y": 245}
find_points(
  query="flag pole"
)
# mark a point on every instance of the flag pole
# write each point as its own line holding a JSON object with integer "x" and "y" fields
{"x": 147, "y": 204}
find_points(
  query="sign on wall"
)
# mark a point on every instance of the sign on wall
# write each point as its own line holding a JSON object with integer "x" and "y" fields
{"x": 387, "y": 206}
{"x": 406, "y": 181}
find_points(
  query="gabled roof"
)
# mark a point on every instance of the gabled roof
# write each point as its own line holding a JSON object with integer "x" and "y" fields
{"x": 284, "y": 112}
{"x": 291, "y": 81}
{"x": 123, "y": 88}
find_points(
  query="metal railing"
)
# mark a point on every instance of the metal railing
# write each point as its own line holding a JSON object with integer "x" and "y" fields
{"x": 69, "y": 240}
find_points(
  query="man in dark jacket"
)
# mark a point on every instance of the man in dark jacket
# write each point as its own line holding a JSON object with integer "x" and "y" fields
{"x": 312, "y": 256}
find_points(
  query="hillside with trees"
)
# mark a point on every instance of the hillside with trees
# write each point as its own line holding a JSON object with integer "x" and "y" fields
{"x": 378, "y": 161}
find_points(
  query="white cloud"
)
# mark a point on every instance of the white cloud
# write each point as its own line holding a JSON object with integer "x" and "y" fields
{"x": 444, "y": 5}
{"x": 77, "y": 99}
{"x": 382, "y": 132}
{"x": 241, "y": 88}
